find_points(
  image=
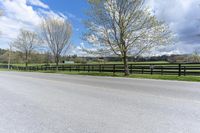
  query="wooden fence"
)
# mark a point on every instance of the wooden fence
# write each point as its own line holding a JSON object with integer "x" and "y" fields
{"x": 162, "y": 69}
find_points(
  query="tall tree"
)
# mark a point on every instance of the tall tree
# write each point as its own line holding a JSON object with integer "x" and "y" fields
{"x": 57, "y": 34}
{"x": 123, "y": 28}
{"x": 26, "y": 42}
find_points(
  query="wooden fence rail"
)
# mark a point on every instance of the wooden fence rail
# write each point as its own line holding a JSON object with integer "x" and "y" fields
{"x": 162, "y": 69}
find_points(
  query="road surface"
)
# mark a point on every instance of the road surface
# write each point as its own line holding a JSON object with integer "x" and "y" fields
{"x": 53, "y": 103}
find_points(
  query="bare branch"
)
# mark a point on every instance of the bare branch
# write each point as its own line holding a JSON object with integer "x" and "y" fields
{"x": 57, "y": 34}
{"x": 26, "y": 42}
{"x": 123, "y": 25}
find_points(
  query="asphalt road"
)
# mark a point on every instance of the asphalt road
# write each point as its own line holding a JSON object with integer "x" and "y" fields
{"x": 53, "y": 103}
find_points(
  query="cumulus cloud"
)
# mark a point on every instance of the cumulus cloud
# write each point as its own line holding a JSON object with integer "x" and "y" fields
{"x": 181, "y": 15}
{"x": 18, "y": 14}
{"x": 183, "y": 18}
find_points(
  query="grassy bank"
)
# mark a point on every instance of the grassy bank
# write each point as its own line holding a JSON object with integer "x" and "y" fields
{"x": 140, "y": 76}
{"x": 145, "y": 76}
{"x": 1, "y": 69}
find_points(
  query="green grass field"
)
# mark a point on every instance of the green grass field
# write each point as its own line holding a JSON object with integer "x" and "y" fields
{"x": 149, "y": 62}
{"x": 38, "y": 64}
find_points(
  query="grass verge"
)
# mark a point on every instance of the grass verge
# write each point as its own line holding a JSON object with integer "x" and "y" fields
{"x": 1, "y": 69}
{"x": 140, "y": 76}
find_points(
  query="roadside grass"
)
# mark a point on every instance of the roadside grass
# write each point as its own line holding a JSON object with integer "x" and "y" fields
{"x": 140, "y": 76}
{"x": 1, "y": 69}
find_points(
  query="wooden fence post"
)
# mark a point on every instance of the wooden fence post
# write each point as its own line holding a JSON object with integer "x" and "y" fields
{"x": 99, "y": 68}
{"x": 70, "y": 68}
{"x": 131, "y": 69}
{"x": 179, "y": 69}
{"x": 114, "y": 68}
{"x": 142, "y": 70}
{"x": 84, "y": 68}
{"x": 151, "y": 71}
{"x": 184, "y": 70}
{"x": 88, "y": 68}
{"x": 76, "y": 68}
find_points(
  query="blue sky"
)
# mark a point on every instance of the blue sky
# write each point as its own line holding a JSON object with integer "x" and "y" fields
{"x": 181, "y": 15}
{"x": 27, "y": 14}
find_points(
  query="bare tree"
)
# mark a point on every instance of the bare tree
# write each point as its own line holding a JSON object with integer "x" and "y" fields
{"x": 9, "y": 55}
{"x": 123, "y": 28}
{"x": 195, "y": 56}
{"x": 57, "y": 34}
{"x": 26, "y": 42}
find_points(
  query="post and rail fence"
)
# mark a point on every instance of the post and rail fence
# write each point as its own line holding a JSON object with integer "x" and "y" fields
{"x": 183, "y": 69}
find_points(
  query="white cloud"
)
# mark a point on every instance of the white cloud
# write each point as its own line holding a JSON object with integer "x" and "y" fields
{"x": 18, "y": 10}
{"x": 77, "y": 50}
{"x": 182, "y": 16}
{"x": 38, "y": 3}
{"x": 72, "y": 16}
{"x": 21, "y": 14}
{"x": 183, "y": 19}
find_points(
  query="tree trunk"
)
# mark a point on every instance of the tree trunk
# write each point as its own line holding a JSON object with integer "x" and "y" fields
{"x": 57, "y": 66}
{"x": 126, "y": 68}
{"x": 57, "y": 63}
{"x": 26, "y": 63}
{"x": 9, "y": 59}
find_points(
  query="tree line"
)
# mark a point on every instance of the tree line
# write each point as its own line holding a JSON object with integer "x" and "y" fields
{"x": 46, "y": 58}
